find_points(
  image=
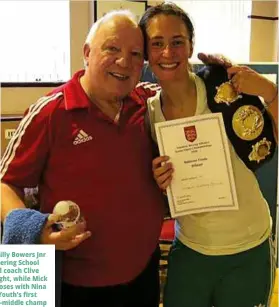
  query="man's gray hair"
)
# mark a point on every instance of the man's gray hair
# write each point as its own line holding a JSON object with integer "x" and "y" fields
{"x": 107, "y": 17}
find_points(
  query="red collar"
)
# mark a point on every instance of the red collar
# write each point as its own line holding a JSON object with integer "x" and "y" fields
{"x": 74, "y": 95}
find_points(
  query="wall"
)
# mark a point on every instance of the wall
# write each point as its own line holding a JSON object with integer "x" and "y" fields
{"x": 264, "y": 33}
{"x": 16, "y": 100}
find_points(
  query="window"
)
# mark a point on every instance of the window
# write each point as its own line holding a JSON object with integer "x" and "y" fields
{"x": 35, "y": 41}
{"x": 221, "y": 27}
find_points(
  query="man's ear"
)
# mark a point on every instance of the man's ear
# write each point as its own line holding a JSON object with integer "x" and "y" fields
{"x": 86, "y": 52}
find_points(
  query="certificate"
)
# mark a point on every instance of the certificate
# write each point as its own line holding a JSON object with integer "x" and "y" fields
{"x": 203, "y": 177}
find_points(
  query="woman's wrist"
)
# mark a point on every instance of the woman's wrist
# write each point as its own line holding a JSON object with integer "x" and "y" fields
{"x": 272, "y": 95}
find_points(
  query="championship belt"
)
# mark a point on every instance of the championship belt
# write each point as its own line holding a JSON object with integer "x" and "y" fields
{"x": 247, "y": 122}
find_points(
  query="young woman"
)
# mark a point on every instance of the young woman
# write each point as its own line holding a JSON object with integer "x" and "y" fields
{"x": 225, "y": 258}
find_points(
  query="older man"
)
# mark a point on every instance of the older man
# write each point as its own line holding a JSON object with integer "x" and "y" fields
{"x": 86, "y": 142}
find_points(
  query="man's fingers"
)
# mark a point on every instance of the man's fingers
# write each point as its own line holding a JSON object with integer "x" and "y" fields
{"x": 52, "y": 219}
{"x": 77, "y": 240}
{"x": 66, "y": 238}
{"x": 63, "y": 243}
{"x": 217, "y": 59}
{"x": 82, "y": 237}
{"x": 71, "y": 232}
{"x": 226, "y": 62}
{"x": 203, "y": 57}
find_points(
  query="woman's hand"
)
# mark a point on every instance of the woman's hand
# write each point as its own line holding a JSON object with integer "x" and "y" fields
{"x": 64, "y": 239}
{"x": 162, "y": 171}
{"x": 248, "y": 81}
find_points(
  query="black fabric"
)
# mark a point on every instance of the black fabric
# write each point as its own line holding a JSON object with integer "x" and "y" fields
{"x": 214, "y": 76}
{"x": 143, "y": 291}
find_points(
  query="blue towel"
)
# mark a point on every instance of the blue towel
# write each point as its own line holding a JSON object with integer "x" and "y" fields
{"x": 23, "y": 226}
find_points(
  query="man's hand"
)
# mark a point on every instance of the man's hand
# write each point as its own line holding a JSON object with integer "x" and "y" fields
{"x": 162, "y": 171}
{"x": 64, "y": 239}
{"x": 217, "y": 59}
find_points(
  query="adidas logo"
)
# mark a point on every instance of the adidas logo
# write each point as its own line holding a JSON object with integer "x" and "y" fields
{"x": 82, "y": 137}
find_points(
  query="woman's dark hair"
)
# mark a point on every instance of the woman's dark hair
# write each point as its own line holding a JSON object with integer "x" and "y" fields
{"x": 169, "y": 9}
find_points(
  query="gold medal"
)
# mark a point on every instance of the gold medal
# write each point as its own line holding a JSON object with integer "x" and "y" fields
{"x": 248, "y": 122}
{"x": 260, "y": 150}
{"x": 226, "y": 93}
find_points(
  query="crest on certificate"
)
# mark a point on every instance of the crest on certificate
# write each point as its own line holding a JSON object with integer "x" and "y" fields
{"x": 190, "y": 133}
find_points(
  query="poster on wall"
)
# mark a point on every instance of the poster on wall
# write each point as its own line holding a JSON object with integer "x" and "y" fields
{"x": 102, "y": 7}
